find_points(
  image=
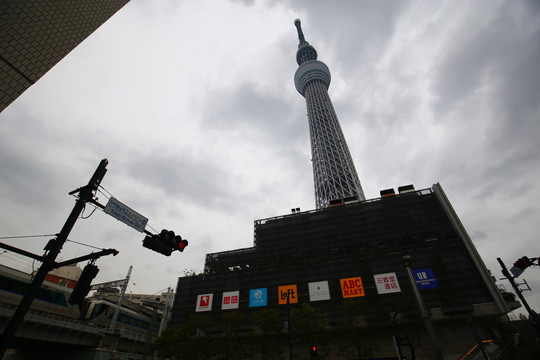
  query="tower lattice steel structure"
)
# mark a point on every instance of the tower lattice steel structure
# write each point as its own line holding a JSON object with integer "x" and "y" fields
{"x": 334, "y": 174}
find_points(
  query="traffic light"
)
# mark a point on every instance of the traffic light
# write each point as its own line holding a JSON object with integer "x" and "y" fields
{"x": 523, "y": 263}
{"x": 313, "y": 351}
{"x": 82, "y": 288}
{"x": 174, "y": 241}
{"x": 165, "y": 243}
{"x": 155, "y": 243}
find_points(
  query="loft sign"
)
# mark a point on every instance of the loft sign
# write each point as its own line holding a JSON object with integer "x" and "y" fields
{"x": 125, "y": 214}
{"x": 287, "y": 293}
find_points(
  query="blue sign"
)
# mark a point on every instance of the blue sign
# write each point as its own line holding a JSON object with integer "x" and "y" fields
{"x": 258, "y": 297}
{"x": 425, "y": 278}
{"x": 125, "y": 214}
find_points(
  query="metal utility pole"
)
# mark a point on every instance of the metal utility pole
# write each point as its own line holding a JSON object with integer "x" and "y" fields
{"x": 166, "y": 311}
{"x": 86, "y": 194}
{"x": 120, "y": 300}
{"x": 535, "y": 318}
{"x": 426, "y": 318}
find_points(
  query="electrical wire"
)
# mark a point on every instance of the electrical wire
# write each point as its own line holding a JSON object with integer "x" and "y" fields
{"x": 100, "y": 186}
{"x": 83, "y": 244}
{"x": 26, "y": 236}
{"x": 27, "y": 263}
{"x": 86, "y": 217}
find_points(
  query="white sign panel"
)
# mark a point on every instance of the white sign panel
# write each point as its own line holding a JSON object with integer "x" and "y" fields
{"x": 387, "y": 283}
{"x": 319, "y": 291}
{"x": 230, "y": 300}
{"x": 204, "y": 302}
{"x": 126, "y": 215}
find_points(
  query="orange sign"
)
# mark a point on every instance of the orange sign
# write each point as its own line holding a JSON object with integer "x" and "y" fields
{"x": 352, "y": 287}
{"x": 287, "y": 291}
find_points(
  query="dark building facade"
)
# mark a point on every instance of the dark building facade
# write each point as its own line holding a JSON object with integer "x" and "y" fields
{"x": 36, "y": 35}
{"x": 354, "y": 250}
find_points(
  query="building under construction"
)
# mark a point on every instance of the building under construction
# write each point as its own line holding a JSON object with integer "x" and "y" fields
{"x": 351, "y": 248}
{"x": 355, "y": 250}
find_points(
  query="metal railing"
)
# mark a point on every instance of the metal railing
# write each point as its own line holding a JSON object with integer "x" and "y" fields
{"x": 53, "y": 320}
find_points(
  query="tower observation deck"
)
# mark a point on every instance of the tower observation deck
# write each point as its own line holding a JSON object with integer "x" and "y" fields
{"x": 334, "y": 174}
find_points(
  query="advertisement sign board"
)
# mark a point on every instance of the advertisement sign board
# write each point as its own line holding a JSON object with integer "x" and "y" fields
{"x": 425, "y": 278}
{"x": 204, "y": 302}
{"x": 387, "y": 283}
{"x": 230, "y": 300}
{"x": 258, "y": 297}
{"x": 319, "y": 291}
{"x": 352, "y": 287}
{"x": 287, "y": 291}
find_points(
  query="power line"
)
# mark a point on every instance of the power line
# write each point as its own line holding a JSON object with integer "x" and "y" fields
{"x": 108, "y": 192}
{"x": 10, "y": 256}
{"x": 26, "y": 236}
{"x": 83, "y": 244}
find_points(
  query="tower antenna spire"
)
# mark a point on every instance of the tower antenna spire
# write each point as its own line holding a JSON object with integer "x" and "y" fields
{"x": 301, "y": 37}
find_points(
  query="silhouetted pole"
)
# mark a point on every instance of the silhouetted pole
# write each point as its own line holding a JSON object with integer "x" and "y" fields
{"x": 85, "y": 195}
{"x": 289, "y": 328}
{"x": 423, "y": 310}
{"x": 535, "y": 318}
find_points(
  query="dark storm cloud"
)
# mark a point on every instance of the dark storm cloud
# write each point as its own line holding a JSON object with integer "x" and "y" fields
{"x": 497, "y": 55}
{"x": 492, "y": 68}
{"x": 182, "y": 177}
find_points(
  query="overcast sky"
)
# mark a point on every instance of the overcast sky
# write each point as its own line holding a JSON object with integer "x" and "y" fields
{"x": 193, "y": 103}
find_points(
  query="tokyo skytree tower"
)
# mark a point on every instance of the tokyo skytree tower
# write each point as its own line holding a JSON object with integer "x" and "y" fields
{"x": 334, "y": 174}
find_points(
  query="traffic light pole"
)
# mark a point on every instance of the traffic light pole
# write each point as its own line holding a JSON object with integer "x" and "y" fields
{"x": 535, "y": 318}
{"x": 85, "y": 195}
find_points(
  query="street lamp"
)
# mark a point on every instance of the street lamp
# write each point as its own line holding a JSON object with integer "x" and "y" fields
{"x": 423, "y": 309}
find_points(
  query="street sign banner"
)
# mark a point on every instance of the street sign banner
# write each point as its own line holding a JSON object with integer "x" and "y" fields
{"x": 125, "y": 214}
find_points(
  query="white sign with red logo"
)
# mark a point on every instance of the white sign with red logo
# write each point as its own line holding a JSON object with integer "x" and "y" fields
{"x": 230, "y": 300}
{"x": 204, "y": 302}
{"x": 387, "y": 283}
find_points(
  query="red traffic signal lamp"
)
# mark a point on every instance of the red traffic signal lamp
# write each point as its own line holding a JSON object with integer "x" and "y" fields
{"x": 181, "y": 243}
{"x": 523, "y": 262}
{"x": 175, "y": 241}
{"x": 313, "y": 351}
